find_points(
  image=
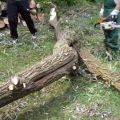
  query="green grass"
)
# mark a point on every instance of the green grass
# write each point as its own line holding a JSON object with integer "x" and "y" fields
{"x": 72, "y": 102}
{"x": 66, "y": 99}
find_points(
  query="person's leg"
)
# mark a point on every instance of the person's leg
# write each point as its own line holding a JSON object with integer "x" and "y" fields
{"x": 12, "y": 18}
{"x": 111, "y": 43}
{"x": 111, "y": 40}
{"x": 24, "y": 11}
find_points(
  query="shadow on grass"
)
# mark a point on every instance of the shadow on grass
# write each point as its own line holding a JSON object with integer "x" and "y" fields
{"x": 56, "y": 107}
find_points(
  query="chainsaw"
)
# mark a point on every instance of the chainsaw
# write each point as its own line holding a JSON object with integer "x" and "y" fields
{"x": 107, "y": 24}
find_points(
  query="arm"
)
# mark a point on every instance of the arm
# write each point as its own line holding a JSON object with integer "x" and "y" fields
{"x": 117, "y": 8}
{"x": 102, "y": 6}
{"x": 101, "y": 11}
{"x": 118, "y": 5}
{"x": 114, "y": 14}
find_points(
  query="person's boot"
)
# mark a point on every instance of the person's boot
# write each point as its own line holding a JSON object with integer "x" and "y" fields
{"x": 34, "y": 37}
{"x": 112, "y": 55}
{"x": 115, "y": 56}
{"x": 109, "y": 56}
{"x": 15, "y": 40}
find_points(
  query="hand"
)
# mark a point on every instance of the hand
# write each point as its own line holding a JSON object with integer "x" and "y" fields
{"x": 32, "y": 4}
{"x": 114, "y": 12}
{"x": 113, "y": 18}
{"x": 101, "y": 12}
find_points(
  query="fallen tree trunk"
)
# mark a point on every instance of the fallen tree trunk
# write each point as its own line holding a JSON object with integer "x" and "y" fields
{"x": 50, "y": 69}
{"x": 101, "y": 70}
{"x": 62, "y": 62}
{"x": 93, "y": 64}
{"x": 38, "y": 76}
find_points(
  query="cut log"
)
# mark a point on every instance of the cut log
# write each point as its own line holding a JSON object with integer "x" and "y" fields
{"x": 6, "y": 21}
{"x": 41, "y": 17}
{"x": 33, "y": 17}
{"x": 2, "y": 24}
{"x": 3, "y": 6}
{"x": 24, "y": 23}
{"x": 3, "y": 9}
{"x": 33, "y": 11}
{"x": 38, "y": 6}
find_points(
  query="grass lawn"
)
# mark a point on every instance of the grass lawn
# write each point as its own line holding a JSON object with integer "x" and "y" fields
{"x": 66, "y": 99}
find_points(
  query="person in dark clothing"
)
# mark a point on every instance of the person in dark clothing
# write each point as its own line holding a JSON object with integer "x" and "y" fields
{"x": 20, "y": 6}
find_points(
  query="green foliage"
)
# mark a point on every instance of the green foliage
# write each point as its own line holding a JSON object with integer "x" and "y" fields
{"x": 64, "y": 2}
{"x": 91, "y": 0}
{"x": 95, "y": 1}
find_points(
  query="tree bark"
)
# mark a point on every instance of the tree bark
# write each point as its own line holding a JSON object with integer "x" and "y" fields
{"x": 95, "y": 66}
{"x": 38, "y": 76}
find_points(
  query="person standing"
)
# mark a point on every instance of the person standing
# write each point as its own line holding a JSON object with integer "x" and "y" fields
{"x": 111, "y": 9}
{"x": 20, "y": 6}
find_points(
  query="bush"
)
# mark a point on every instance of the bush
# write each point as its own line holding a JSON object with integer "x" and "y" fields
{"x": 68, "y": 3}
{"x": 62, "y": 2}
{"x": 92, "y": 0}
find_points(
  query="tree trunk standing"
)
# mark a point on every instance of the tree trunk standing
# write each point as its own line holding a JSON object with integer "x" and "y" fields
{"x": 64, "y": 59}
